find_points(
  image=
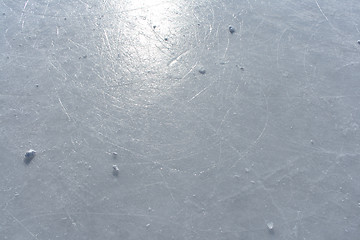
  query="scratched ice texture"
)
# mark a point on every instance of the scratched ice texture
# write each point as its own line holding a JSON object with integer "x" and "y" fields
{"x": 246, "y": 135}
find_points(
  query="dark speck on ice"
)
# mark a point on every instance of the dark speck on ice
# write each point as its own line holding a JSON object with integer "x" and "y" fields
{"x": 29, "y": 155}
{"x": 231, "y": 29}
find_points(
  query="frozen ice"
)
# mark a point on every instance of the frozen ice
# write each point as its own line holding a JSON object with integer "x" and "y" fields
{"x": 284, "y": 73}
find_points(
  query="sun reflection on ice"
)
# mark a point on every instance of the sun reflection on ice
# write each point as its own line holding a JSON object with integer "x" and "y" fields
{"x": 147, "y": 46}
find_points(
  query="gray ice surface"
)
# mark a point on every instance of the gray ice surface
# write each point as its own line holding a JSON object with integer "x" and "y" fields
{"x": 263, "y": 145}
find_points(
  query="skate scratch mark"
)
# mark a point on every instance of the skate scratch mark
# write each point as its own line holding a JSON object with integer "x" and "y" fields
{"x": 22, "y": 225}
{"x": 191, "y": 69}
{"x": 257, "y": 140}
{"x": 200, "y": 92}
{"x": 321, "y": 10}
{"x": 64, "y": 109}
{"x": 22, "y": 14}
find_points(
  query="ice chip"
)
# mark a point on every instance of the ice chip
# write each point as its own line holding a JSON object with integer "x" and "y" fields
{"x": 270, "y": 226}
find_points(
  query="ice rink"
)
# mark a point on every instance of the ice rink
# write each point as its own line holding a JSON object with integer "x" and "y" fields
{"x": 180, "y": 119}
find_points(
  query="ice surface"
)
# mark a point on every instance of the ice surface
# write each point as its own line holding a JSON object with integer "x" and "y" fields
{"x": 83, "y": 79}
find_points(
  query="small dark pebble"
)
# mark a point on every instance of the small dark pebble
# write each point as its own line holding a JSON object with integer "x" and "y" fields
{"x": 154, "y": 27}
{"x": 37, "y": 85}
{"x": 358, "y": 41}
{"x": 202, "y": 71}
{"x": 241, "y": 68}
{"x": 231, "y": 29}
{"x": 29, "y": 155}
{"x": 166, "y": 39}
{"x": 65, "y": 19}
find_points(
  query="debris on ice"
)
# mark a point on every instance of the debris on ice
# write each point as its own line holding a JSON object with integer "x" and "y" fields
{"x": 29, "y": 155}
{"x": 231, "y": 29}
{"x": 270, "y": 226}
{"x": 115, "y": 170}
